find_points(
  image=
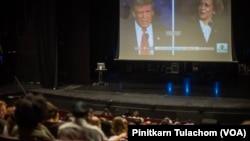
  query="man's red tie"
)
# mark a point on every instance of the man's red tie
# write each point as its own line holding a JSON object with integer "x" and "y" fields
{"x": 144, "y": 43}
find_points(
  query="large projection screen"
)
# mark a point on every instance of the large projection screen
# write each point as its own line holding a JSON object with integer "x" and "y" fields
{"x": 176, "y": 30}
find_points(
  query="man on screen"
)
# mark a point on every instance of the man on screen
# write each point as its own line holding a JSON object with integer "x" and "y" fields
{"x": 139, "y": 36}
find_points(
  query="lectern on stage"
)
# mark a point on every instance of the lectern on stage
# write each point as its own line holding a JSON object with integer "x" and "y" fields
{"x": 100, "y": 68}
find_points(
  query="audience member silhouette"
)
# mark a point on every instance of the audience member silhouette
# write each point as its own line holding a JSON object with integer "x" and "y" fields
{"x": 119, "y": 129}
{"x": 106, "y": 127}
{"x": 79, "y": 128}
{"x": 52, "y": 122}
{"x": 3, "y": 107}
{"x": 106, "y": 112}
{"x": 30, "y": 112}
{"x": 96, "y": 121}
{"x": 11, "y": 126}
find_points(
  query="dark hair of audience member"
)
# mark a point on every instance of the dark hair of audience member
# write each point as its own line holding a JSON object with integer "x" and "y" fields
{"x": 52, "y": 122}
{"x": 106, "y": 128}
{"x": 3, "y": 122}
{"x": 31, "y": 110}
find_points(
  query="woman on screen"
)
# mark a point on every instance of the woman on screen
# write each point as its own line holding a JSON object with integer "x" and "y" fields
{"x": 210, "y": 28}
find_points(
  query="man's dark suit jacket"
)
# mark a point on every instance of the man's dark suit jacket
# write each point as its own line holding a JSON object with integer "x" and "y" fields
{"x": 128, "y": 41}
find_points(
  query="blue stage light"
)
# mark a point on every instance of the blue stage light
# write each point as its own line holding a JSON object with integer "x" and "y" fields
{"x": 187, "y": 86}
{"x": 169, "y": 88}
{"x": 216, "y": 89}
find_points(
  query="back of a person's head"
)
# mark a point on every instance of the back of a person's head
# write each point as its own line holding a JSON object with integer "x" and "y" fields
{"x": 52, "y": 110}
{"x": 118, "y": 125}
{"x": 80, "y": 109}
{"x": 106, "y": 127}
{"x": 95, "y": 121}
{"x": 166, "y": 121}
{"x": 3, "y": 107}
{"x": 106, "y": 112}
{"x": 136, "y": 113}
{"x": 2, "y": 102}
{"x": 30, "y": 110}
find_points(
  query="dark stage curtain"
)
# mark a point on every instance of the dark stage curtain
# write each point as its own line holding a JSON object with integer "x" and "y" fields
{"x": 47, "y": 42}
{"x": 36, "y": 45}
{"x": 54, "y": 47}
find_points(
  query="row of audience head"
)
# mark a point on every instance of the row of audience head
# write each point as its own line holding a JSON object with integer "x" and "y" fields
{"x": 34, "y": 118}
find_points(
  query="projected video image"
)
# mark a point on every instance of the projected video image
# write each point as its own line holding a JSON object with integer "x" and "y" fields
{"x": 175, "y": 30}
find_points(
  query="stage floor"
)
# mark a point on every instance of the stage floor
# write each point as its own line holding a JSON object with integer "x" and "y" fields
{"x": 231, "y": 106}
{"x": 149, "y": 93}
